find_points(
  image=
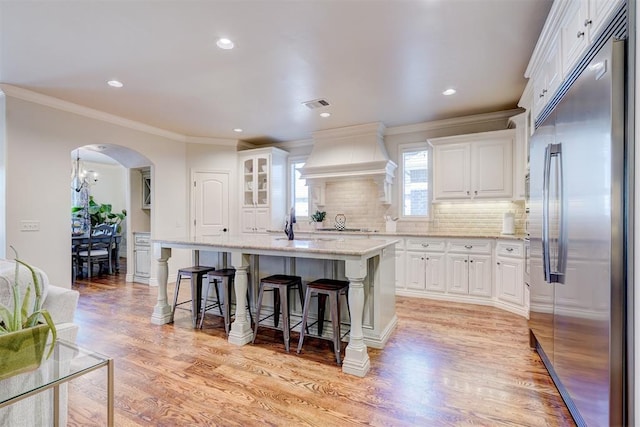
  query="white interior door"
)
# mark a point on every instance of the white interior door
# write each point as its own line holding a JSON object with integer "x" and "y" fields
{"x": 210, "y": 195}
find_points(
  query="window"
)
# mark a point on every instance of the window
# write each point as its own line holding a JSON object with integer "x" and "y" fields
{"x": 298, "y": 189}
{"x": 415, "y": 181}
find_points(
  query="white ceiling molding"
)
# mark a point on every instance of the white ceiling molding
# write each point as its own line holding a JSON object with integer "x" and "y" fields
{"x": 70, "y": 107}
{"x": 454, "y": 122}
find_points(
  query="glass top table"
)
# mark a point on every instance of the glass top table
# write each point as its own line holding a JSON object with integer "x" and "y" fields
{"x": 67, "y": 362}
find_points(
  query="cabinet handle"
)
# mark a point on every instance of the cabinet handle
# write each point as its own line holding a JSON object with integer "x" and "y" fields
{"x": 587, "y": 22}
{"x": 425, "y": 245}
{"x": 468, "y": 246}
{"x": 580, "y": 34}
{"x": 509, "y": 249}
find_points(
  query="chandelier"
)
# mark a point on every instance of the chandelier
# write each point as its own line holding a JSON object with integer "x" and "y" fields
{"x": 81, "y": 178}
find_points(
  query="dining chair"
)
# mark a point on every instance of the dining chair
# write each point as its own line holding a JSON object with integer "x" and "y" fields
{"x": 99, "y": 249}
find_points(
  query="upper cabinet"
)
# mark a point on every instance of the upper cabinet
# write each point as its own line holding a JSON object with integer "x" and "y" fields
{"x": 571, "y": 28}
{"x": 474, "y": 166}
{"x": 146, "y": 189}
{"x": 263, "y": 185}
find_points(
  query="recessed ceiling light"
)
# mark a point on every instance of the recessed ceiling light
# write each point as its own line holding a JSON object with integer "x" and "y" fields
{"x": 115, "y": 83}
{"x": 449, "y": 92}
{"x": 225, "y": 43}
{"x": 325, "y": 114}
{"x": 238, "y": 130}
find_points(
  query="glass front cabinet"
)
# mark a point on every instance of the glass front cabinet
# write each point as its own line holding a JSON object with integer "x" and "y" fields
{"x": 263, "y": 189}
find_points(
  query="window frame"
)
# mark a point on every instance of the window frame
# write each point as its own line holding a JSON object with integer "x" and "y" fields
{"x": 290, "y": 182}
{"x": 408, "y": 147}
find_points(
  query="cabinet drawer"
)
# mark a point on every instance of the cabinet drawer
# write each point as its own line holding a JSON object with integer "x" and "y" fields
{"x": 435, "y": 245}
{"x": 510, "y": 249}
{"x": 470, "y": 246}
{"x": 142, "y": 239}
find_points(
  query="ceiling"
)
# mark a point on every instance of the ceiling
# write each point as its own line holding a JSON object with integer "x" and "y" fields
{"x": 372, "y": 60}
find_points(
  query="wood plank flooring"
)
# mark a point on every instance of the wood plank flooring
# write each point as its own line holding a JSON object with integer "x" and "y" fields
{"x": 446, "y": 365}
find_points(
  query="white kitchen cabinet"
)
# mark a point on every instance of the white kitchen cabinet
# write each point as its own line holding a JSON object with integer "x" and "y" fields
{"x": 521, "y": 154}
{"x": 425, "y": 269}
{"x": 509, "y": 272}
{"x": 474, "y": 166}
{"x": 263, "y": 187}
{"x": 547, "y": 81}
{"x": 469, "y": 267}
{"x": 469, "y": 274}
{"x": 141, "y": 257}
{"x": 571, "y": 28}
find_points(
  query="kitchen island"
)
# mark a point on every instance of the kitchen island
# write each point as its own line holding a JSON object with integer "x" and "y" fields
{"x": 369, "y": 266}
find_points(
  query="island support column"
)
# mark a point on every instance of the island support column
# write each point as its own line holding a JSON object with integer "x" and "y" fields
{"x": 162, "y": 310}
{"x": 356, "y": 359}
{"x": 241, "y": 332}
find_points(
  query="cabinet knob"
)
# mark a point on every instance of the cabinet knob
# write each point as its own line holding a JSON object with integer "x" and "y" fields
{"x": 471, "y": 261}
{"x": 224, "y": 230}
{"x": 498, "y": 262}
{"x": 465, "y": 260}
{"x": 427, "y": 258}
{"x": 587, "y": 22}
{"x": 476, "y": 192}
{"x": 468, "y": 246}
{"x": 468, "y": 193}
{"x": 580, "y": 34}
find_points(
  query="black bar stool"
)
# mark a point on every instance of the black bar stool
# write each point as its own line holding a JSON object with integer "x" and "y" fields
{"x": 196, "y": 274}
{"x": 323, "y": 288}
{"x": 224, "y": 276}
{"x": 280, "y": 284}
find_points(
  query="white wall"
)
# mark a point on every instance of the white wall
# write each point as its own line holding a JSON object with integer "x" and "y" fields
{"x": 38, "y": 142}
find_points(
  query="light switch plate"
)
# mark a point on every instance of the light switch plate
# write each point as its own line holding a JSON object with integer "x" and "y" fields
{"x": 29, "y": 225}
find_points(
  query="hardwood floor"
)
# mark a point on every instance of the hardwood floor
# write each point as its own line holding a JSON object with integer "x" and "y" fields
{"x": 446, "y": 365}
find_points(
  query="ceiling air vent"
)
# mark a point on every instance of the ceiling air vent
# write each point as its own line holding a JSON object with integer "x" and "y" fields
{"x": 316, "y": 103}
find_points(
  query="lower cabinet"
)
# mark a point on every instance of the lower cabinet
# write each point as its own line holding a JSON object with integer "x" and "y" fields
{"x": 479, "y": 271}
{"x": 469, "y": 268}
{"x": 255, "y": 220}
{"x": 141, "y": 257}
{"x": 509, "y": 272}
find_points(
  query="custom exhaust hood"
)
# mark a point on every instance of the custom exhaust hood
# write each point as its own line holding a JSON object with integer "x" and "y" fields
{"x": 349, "y": 153}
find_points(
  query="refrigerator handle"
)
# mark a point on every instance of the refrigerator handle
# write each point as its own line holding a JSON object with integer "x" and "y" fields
{"x": 546, "y": 260}
{"x": 557, "y": 275}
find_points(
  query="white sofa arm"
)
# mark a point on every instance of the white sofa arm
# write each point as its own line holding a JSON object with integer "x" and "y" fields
{"x": 61, "y": 304}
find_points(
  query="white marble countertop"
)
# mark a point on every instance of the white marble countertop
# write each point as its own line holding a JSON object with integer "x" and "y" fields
{"x": 384, "y": 234}
{"x": 320, "y": 244}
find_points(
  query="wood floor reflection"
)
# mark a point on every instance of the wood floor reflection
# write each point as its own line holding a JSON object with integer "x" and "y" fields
{"x": 446, "y": 365}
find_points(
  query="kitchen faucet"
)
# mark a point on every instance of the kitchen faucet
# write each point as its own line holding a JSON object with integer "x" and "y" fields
{"x": 288, "y": 224}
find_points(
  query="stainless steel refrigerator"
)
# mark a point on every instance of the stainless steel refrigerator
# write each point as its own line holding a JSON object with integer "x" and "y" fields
{"x": 577, "y": 283}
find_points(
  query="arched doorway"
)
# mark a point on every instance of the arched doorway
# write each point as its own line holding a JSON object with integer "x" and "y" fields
{"x": 121, "y": 177}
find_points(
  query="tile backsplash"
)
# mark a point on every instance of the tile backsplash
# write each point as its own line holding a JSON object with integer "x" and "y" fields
{"x": 359, "y": 201}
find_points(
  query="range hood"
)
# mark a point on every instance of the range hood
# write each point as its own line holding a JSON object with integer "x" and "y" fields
{"x": 349, "y": 153}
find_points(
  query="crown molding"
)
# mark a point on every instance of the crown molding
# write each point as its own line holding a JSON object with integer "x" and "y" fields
{"x": 448, "y": 123}
{"x": 70, "y": 107}
{"x": 223, "y": 142}
{"x": 294, "y": 144}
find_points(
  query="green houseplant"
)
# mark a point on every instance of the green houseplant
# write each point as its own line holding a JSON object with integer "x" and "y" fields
{"x": 318, "y": 216}
{"x": 23, "y": 336}
{"x": 100, "y": 213}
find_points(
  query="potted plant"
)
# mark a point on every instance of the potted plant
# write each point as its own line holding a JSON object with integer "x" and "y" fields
{"x": 23, "y": 336}
{"x": 318, "y": 218}
{"x": 100, "y": 214}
